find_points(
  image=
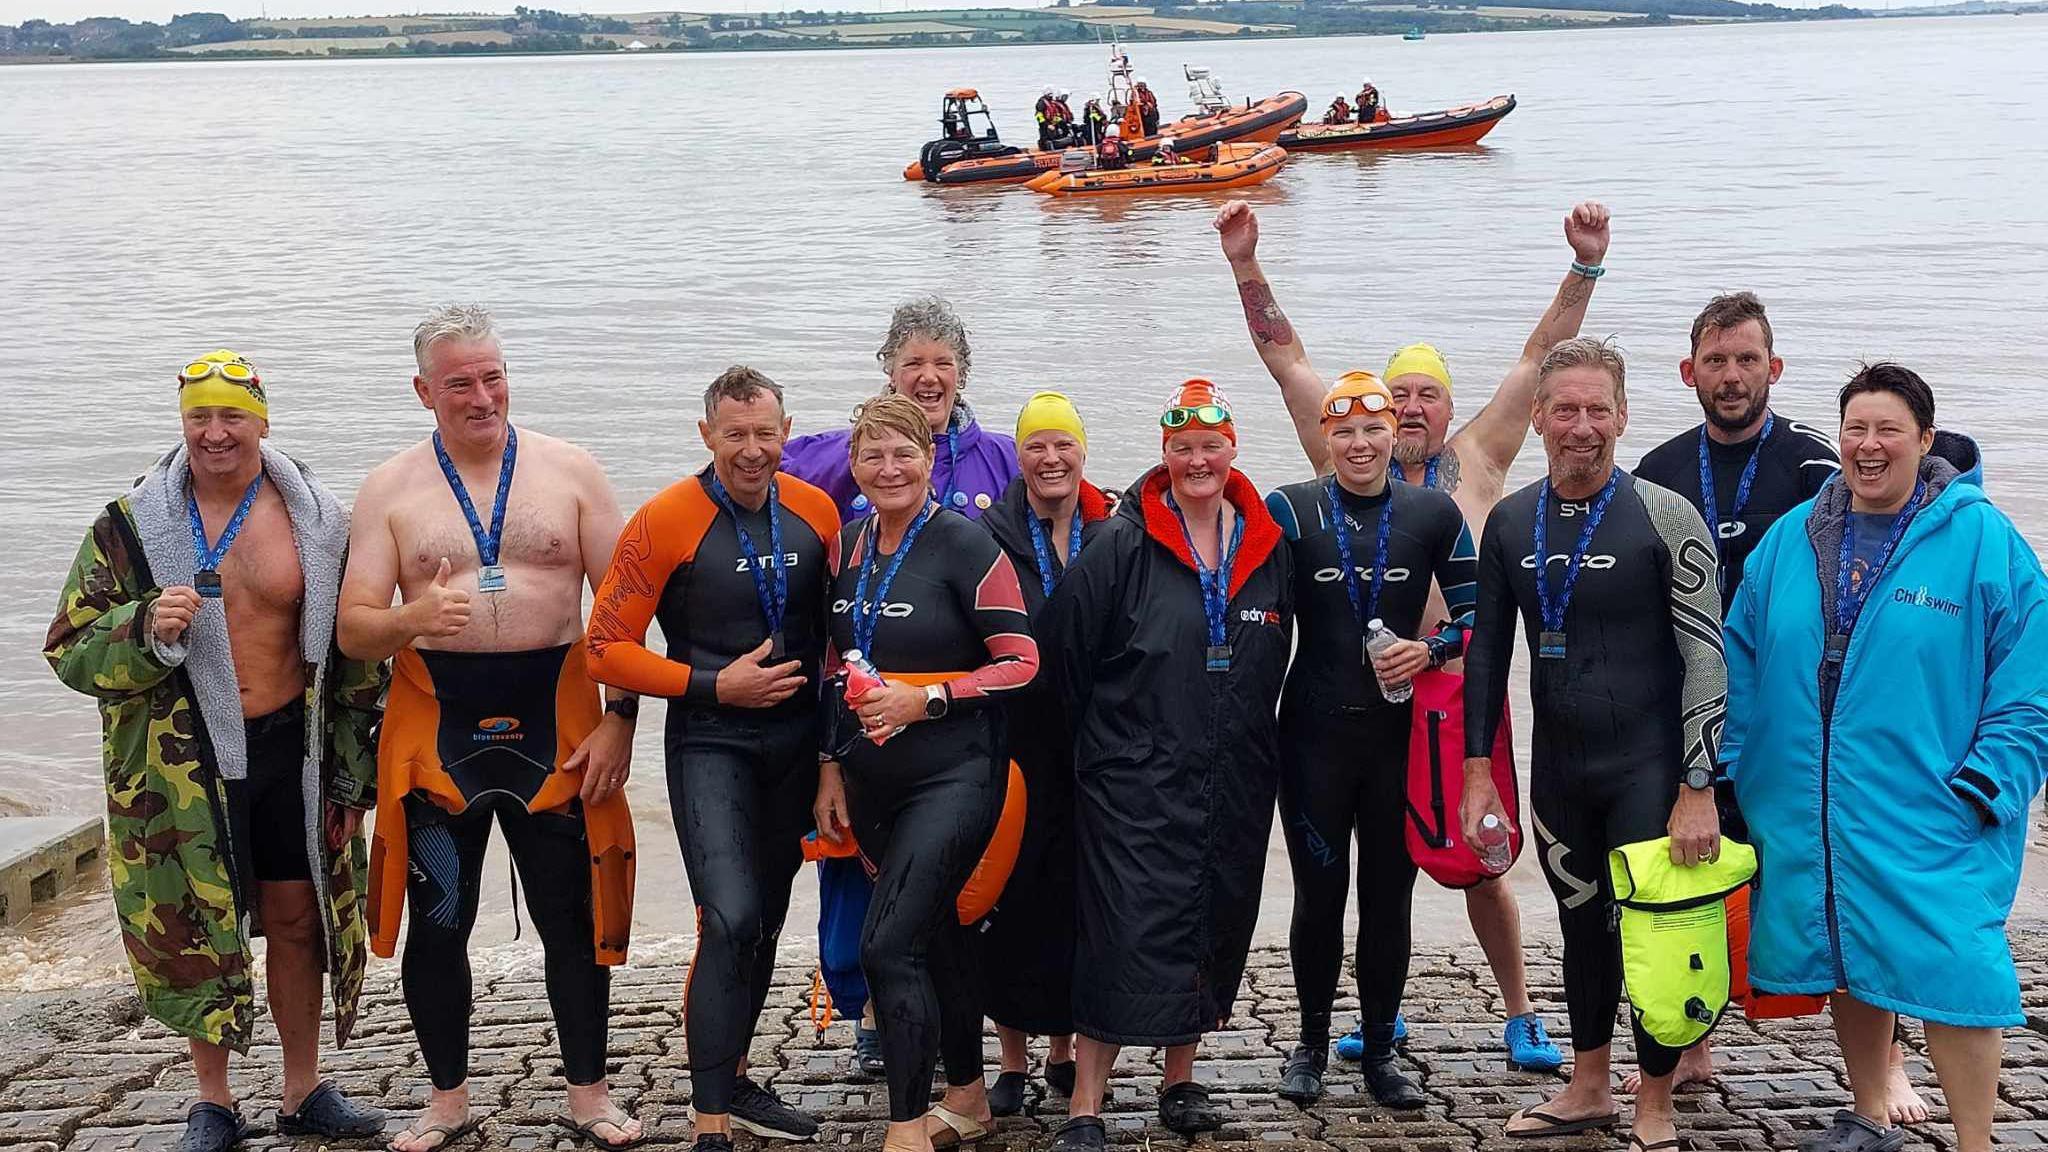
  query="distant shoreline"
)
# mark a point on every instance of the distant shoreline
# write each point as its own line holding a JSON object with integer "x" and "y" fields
{"x": 531, "y": 33}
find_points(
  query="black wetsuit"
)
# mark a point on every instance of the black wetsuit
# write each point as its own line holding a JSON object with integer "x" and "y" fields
{"x": 1792, "y": 464}
{"x": 1343, "y": 747}
{"x": 1636, "y": 700}
{"x": 925, "y": 802}
{"x": 1026, "y": 950}
{"x": 740, "y": 780}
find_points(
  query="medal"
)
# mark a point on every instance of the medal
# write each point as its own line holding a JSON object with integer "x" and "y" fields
{"x": 1218, "y": 657}
{"x": 491, "y": 576}
{"x": 1550, "y": 643}
{"x": 207, "y": 558}
{"x": 1215, "y": 584}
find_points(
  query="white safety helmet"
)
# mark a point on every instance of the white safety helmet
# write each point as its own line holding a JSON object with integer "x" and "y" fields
{"x": 1095, "y": 97}
{"x": 1063, "y": 93}
{"x": 1343, "y": 96}
{"x": 1048, "y": 92}
{"x": 1115, "y": 130}
{"x": 1166, "y": 142}
{"x": 1141, "y": 81}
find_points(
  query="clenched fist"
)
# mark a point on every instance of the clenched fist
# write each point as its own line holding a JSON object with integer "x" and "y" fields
{"x": 172, "y": 613}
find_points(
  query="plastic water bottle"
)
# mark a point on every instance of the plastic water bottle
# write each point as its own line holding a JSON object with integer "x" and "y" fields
{"x": 861, "y": 679}
{"x": 1494, "y": 854}
{"x": 1379, "y": 638}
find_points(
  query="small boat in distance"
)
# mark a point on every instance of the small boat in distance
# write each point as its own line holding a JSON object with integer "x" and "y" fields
{"x": 1446, "y": 129}
{"x": 1412, "y": 34}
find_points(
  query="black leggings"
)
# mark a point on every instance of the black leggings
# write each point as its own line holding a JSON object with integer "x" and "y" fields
{"x": 442, "y": 887}
{"x": 740, "y": 788}
{"x": 923, "y": 814}
{"x": 1343, "y": 774}
{"x": 1578, "y": 819}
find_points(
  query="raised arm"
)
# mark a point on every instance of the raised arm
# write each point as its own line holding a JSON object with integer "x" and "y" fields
{"x": 1496, "y": 434}
{"x": 1278, "y": 345}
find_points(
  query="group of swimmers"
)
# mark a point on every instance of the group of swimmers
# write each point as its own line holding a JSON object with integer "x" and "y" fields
{"x": 950, "y": 655}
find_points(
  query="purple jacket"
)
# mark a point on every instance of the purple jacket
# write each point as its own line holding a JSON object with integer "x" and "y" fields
{"x": 969, "y": 475}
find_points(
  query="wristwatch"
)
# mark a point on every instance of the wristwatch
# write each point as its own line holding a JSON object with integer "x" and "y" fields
{"x": 1699, "y": 779}
{"x": 937, "y": 698}
{"x": 626, "y": 706}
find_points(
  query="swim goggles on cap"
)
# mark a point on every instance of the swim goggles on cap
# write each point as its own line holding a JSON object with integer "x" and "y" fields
{"x": 1210, "y": 415}
{"x": 233, "y": 371}
{"x": 1370, "y": 403}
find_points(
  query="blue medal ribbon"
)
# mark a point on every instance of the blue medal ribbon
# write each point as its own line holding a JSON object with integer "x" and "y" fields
{"x": 208, "y": 558}
{"x": 1708, "y": 500}
{"x": 1429, "y": 470}
{"x": 952, "y": 497}
{"x": 771, "y": 592}
{"x": 1552, "y": 611}
{"x": 1043, "y": 547}
{"x": 1851, "y": 595}
{"x": 1341, "y": 524}
{"x": 867, "y": 614}
{"x": 1215, "y": 584}
{"x": 486, "y": 542}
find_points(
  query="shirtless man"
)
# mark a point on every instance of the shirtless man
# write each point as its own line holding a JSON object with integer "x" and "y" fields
{"x": 1471, "y": 466}
{"x": 203, "y": 603}
{"x": 490, "y": 533}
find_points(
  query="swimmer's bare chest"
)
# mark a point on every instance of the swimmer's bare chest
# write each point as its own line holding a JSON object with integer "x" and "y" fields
{"x": 541, "y": 604}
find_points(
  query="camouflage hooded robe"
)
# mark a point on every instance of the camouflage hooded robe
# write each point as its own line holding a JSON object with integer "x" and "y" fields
{"x": 176, "y": 891}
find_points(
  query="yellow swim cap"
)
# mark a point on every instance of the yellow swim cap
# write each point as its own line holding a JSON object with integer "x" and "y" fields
{"x": 1049, "y": 412}
{"x": 1420, "y": 359}
{"x": 222, "y": 379}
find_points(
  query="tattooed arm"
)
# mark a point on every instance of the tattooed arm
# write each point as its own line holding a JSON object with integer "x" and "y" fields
{"x": 1496, "y": 434}
{"x": 1279, "y": 346}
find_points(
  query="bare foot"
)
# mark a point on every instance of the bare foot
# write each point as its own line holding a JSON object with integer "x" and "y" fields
{"x": 590, "y": 1106}
{"x": 1902, "y": 1104}
{"x": 1564, "y": 1110}
{"x": 1649, "y": 1129}
{"x": 1695, "y": 1066}
{"x": 447, "y": 1110}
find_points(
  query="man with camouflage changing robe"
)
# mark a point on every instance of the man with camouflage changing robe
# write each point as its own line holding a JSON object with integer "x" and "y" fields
{"x": 200, "y": 612}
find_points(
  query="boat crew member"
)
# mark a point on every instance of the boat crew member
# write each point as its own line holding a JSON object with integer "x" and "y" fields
{"x": 1113, "y": 153}
{"x": 1148, "y": 108}
{"x": 1369, "y": 110}
{"x": 1339, "y": 113}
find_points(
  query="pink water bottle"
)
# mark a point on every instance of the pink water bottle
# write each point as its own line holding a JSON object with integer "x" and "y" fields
{"x": 861, "y": 679}
{"x": 1495, "y": 854}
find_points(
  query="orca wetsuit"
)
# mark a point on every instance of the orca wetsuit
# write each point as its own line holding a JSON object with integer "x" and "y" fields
{"x": 1343, "y": 747}
{"x": 1755, "y": 482}
{"x": 1629, "y": 691}
{"x": 943, "y": 608}
{"x": 740, "y": 780}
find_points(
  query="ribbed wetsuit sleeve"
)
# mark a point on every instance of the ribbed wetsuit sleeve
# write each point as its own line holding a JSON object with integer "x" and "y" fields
{"x": 1695, "y": 598}
{"x": 996, "y": 604}
{"x": 1490, "y": 655}
{"x": 656, "y": 541}
{"x": 1457, "y": 576}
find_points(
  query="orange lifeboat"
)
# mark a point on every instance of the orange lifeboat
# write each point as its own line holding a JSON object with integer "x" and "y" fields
{"x": 1227, "y": 166}
{"x": 1446, "y": 129}
{"x": 1260, "y": 122}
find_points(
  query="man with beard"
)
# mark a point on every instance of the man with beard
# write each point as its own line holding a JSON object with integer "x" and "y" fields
{"x": 1613, "y": 580}
{"x": 1470, "y": 466}
{"x": 1761, "y": 466}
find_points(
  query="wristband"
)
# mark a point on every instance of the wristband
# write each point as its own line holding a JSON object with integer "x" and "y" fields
{"x": 1589, "y": 271}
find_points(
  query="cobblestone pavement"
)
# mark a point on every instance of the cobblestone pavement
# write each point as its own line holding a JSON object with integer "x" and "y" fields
{"x": 127, "y": 1086}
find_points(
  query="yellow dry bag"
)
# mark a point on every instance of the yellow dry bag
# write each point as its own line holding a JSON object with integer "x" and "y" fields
{"x": 1674, "y": 935}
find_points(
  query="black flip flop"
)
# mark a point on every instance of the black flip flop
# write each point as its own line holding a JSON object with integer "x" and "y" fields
{"x": 587, "y": 1133}
{"x": 1636, "y": 1142}
{"x": 449, "y": 1133}
{"x": 212, "y": 1128}
{"x": 1556, "y": 1125}
{"x": 327, "y": 1113}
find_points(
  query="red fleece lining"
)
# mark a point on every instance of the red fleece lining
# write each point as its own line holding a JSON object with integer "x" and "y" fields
{"x": 1261, "y": 531}
{"x": 1094, "y": 504}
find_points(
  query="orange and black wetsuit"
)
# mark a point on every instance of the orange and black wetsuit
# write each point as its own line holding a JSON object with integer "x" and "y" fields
{"x": 468, "y": 735}
{"x": 740, "y": 780}
{"x": 925, "y": 802}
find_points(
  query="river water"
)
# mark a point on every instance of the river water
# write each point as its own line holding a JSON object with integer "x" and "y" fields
{"x": 638, "y": 223}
